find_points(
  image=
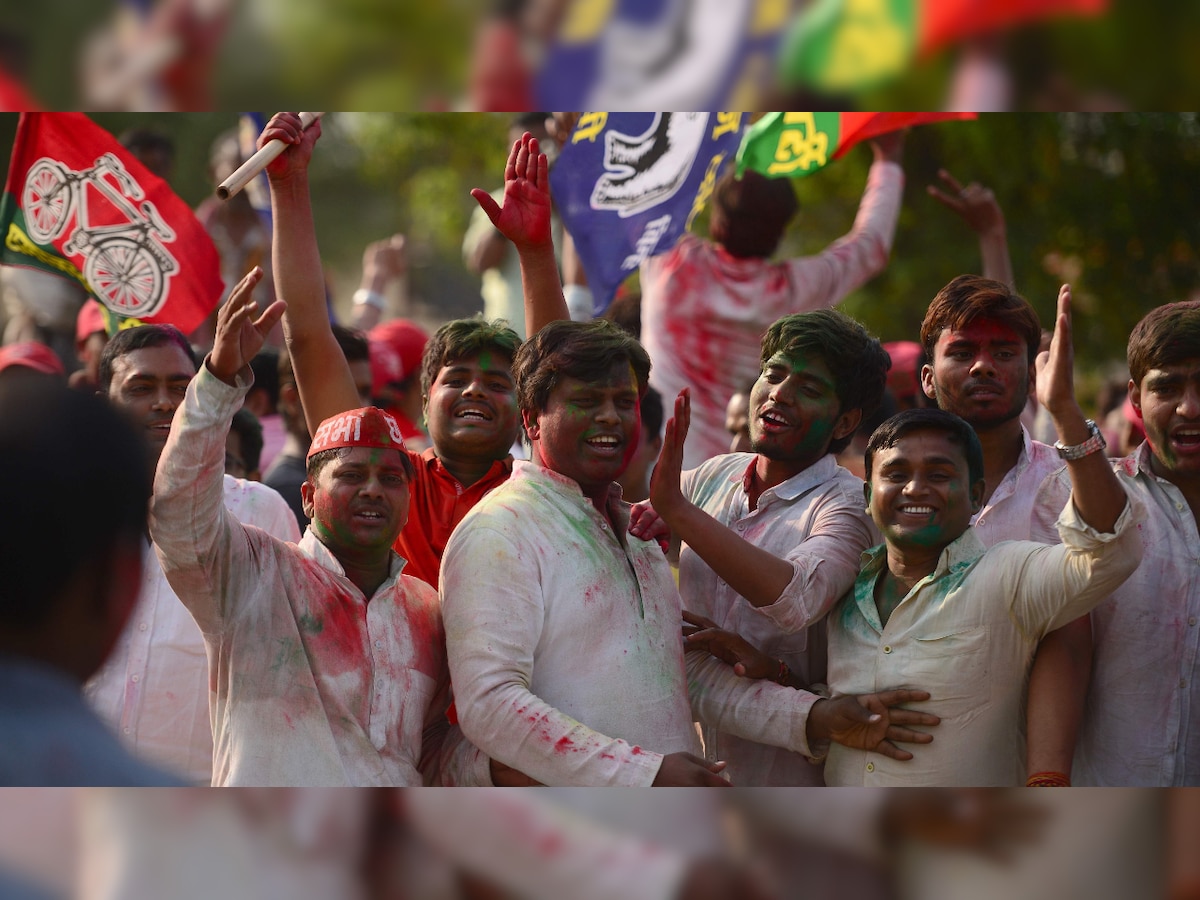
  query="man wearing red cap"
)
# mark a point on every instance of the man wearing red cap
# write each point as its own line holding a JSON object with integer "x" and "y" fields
{"x": 29, "y": 359}
{"x": 328, "y": 664}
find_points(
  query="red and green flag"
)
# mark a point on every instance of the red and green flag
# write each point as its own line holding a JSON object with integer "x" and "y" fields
{"x": 791, "y": 144}
{"x": 851, "y": 45}
{"x": 78, "y": 205}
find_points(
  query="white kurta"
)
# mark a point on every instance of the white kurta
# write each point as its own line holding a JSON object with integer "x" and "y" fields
{"x": 315, "y": 684}
{"x": 566, "y": 648}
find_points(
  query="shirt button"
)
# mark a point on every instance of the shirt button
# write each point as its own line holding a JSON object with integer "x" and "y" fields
{"x": 379, "y": 645}
{"x": 604, "y": 526}
{"x": 1183, "y": 682}
{"x": 887, "y": 648}
{"x": 126, "y": 729}
{"x": 870, "y": 767}
{"x": 136, "y": 678}
{"x": 1192, "y": 620}
{"x": 143, "y": 627}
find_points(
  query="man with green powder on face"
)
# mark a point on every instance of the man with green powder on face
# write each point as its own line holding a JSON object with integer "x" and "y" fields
{"x": 771, "y": 539}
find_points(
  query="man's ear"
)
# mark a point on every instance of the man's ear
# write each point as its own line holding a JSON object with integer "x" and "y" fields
{"x": 927, "y": 381}
{"x": 530, "y": 418}
{"x": 306, "y": 497}
{"x": 1135, "y": 396}
{"x": 977, "y": 490}
{"x": 867, "y": 494}
{"x": 847, "y": 423}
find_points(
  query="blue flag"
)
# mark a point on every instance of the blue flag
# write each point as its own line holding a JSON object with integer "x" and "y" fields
{"x": 627, "y": 185}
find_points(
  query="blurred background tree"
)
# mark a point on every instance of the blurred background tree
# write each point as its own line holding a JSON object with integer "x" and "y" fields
{"x": 1101, "y": 200}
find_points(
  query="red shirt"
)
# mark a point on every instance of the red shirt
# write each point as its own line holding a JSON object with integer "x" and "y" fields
{"x": 437, "y": 504}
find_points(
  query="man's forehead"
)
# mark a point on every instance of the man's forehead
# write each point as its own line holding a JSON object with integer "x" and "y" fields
{"x": 359, "y": 457}
{"x": 921, "y": 445}
{"x": 979, "y": 331}
{"x": 485, "y": 360}
{"x": 800, "y": 363}
{"x": 620, "y": 376}
{"x": 1186, "y": 369}
{"x": 167, "y": 361}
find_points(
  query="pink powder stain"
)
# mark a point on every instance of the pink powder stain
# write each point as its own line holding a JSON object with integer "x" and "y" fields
{"x": 563, "y": 744}
{"x": 287, "y": 718}
{"x": 636, "y": 751}
{"x": 550, "y": 844}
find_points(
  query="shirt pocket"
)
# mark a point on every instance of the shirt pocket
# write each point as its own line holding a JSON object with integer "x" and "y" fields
{"x": 953, "y": 665}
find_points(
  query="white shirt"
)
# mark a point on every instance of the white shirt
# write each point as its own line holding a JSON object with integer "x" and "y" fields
{"x": 816, "y": 521}
{"x": 153, "y": 688}
{"x": 704, "y": 312}
{"x": 566, "y": 647}
{"x": 1141, "y": 721}
{"x": 314, "y": 685}
{"x": 1008, "y": 514}
{"x": 967, "y": 633}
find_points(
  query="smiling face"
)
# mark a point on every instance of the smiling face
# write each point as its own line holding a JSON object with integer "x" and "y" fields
{"x": 358, "y": 501}
{"x": 472, "y": 407}
{"x": 795, "y": 412}
{"x": 149, "y": 384}
{"x": 589, "y": 430}
{"x": 980, "y": 373}
{"x": 920, "y": 495}
{"x": 1168, "y": 400}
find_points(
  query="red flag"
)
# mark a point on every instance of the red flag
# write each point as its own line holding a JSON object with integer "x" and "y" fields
{"x": 862, "y": 126}
{"x": 78, "y": 204}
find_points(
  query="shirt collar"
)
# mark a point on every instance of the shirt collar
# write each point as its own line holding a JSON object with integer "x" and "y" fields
{"x": 962, "y": 551}
{"x": 568, "y": 487}
{"x": 799, "y": 484}
{"x": 310, "y": 545}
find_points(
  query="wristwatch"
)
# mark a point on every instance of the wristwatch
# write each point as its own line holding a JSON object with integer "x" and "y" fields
{"x": 1094, "y": 442}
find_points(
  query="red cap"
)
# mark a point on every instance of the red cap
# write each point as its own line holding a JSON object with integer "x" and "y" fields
{"x": 89, "y": 321}
{"x": 406, "y": 339}
{"x": 903, "y": 378}
{"x": 386, "y": 367}
{"x": 369, "y": 426}
{"x": 31, "y": 355}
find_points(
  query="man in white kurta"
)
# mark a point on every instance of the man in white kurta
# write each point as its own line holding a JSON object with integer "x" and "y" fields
{"x": 704, "y": 309}
{"x": 565, "y": 643}
{"x": 315, "y": 683}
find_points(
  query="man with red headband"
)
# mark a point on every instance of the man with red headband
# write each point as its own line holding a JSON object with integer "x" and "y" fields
{"x": 327, "y": 664}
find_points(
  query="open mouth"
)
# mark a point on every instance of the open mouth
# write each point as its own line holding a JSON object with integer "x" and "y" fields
{"x": 1186, "y": 438}
{"x": 772, "y": 421}
{"x": 473, "y": 414}
{"x": 604, "y": 443}
{"x": 916, "y": 510}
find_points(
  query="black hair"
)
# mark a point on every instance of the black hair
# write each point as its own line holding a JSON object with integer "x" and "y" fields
{"x": 927, "y": 419}
{"x": 583, "y": 350}
{"x": 127, "y": 340}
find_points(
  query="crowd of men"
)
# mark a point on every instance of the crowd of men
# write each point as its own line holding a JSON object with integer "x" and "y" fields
{"x": 980, "y": 609}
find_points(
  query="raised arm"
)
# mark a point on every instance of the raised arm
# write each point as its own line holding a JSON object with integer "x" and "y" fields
{"x": 976, "y": 205}
{"x": 384, "y": 261}
{"x": 322, "y": 374}
{"x": 202, "y": 546}
{"x": 525, "y": 220}
{"x": 1096, "y": 492}
{"x": 804, "y": 585}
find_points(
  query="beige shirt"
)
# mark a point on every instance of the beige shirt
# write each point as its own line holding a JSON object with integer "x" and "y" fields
{"x": 966, "y": 634}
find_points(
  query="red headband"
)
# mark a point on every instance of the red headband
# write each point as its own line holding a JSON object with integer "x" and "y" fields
{"x": 365, "y": 427}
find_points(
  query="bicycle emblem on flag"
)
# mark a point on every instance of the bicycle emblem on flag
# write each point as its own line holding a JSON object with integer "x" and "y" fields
{"x": 127, "y": 266}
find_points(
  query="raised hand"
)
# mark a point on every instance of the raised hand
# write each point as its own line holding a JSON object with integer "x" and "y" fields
{"x": 286, "y": 127}
{"x": 1055, "y": 367}
{"x": 240, "y": 332}
{"x": 665, "y": 494}
{"x": 525, "y": 216}
{"x": 974, "y": 204}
